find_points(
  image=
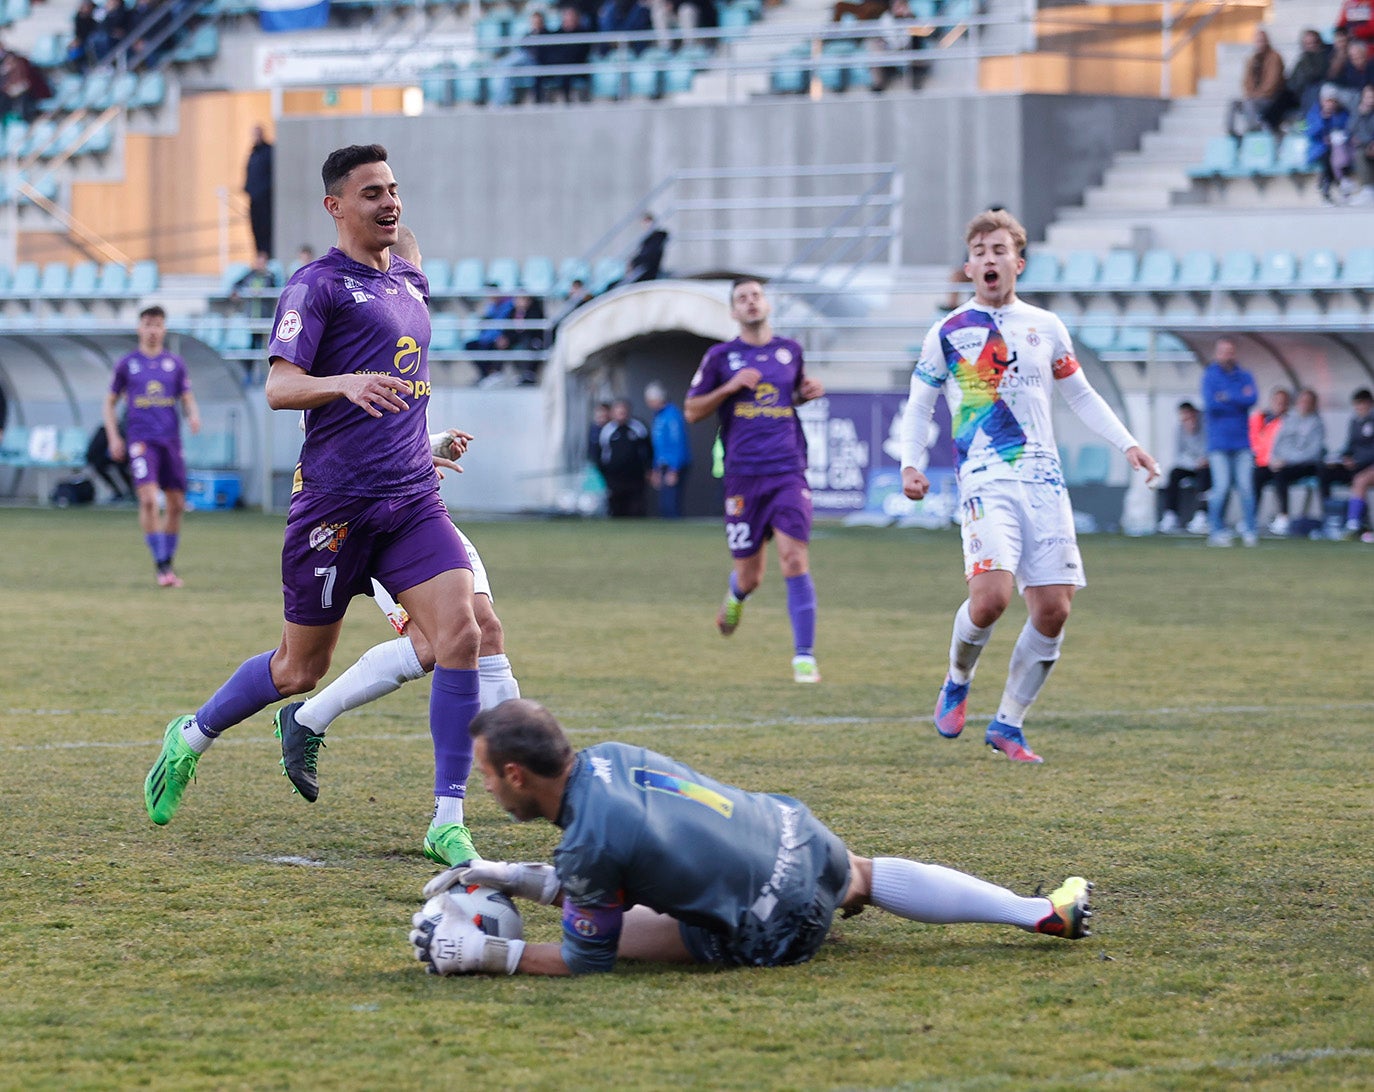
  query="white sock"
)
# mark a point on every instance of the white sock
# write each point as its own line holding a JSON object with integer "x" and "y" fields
{"x": 449, "y": 809}
{"x": 966, "y": 645}
{"x": 496, "y": 682}
{"x": 380, "y": 670}
{"x": 944, "y": 896}
{"x": 196, "y": 737}
{"x": 1032, "y": 660}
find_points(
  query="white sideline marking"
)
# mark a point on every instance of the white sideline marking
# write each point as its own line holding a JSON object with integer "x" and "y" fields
{"x": 665, "y": 723}
{"x": 304, "y": 862}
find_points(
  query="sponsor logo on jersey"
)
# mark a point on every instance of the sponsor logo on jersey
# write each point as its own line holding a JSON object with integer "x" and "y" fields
{"x": 601, "y": 769}
{"x": 328, "y": 536}
{"x": 968, "y": 341}
{"x": 734, "y": 506}
{"x": 135, "y": 367}
{"x": 415, "y": 292}
{"x": 735, "y": 361}
{"x": 289, "y": 326}
{"x": 359, "y": 297}
{"x": 351, "y": 284}
{"x": 407, "y": 359}
{"x": 659, "y": 781}
{"x": 765, "y": 394}
{"x": 167, "y": 364}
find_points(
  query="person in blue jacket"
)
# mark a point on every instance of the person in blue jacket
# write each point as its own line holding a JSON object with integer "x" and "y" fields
{"x": 1228, "y": 393}
{"x": 672, "y": 453}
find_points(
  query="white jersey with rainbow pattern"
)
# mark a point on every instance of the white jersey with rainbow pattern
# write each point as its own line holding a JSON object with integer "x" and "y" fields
{"x": 997, "y": 369}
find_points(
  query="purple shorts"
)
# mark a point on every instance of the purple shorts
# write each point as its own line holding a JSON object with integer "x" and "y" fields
{"x": 755, "y": 507}
{"x": 335, "y": 545}
{"x": 159, "y": 463}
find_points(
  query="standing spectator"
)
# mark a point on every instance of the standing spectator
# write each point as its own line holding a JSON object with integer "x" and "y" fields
{"x": 1190, "y": 468}
{"x": 564, "y": 54}
{"x": 1362, "y": 148}
{"x": 304, "y": 256}
{"x": 1261, "y": 89}
{"x": 113, "y": 472}
{"x": 1264, "y": 428}
{"x": 1328, "y": 143}
{"x": 1297, "y": 453}
{"x": 153, "y": 383}
{"x": 1228, "y": 392}
{"x": 648, "y": 257}
{"x": 1308, "y": 73}
{"x": 898, "y": 35}
{"x": 111, "y": 31}
{"x": 1352, "y": 77}
{"x": 625, "y": 456}
{"x": 1355, "y": 465}
{"x": 624, "y": 17}
{"x": 256, "y": 290}
{"x": 1356, "y": 18}
{"x": 257, "y": 185}
{"x": 672, "y": 453}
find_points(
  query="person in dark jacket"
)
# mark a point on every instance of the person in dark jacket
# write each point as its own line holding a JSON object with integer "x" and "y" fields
{"x": 625, "y": 457}
{"x": 258, "y": 186}
{"x": 1356, "y": 465}
{"x": 648, "y": 258}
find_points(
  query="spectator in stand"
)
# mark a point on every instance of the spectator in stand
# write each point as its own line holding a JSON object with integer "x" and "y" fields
{"x": 672, "y": 452}
{"x": 622, "y": 17}
{"x": 1308, "y": 74}
{"x": 23, "y": 86}
{"x": 1362, "y": 149}
{"x": 576, "y": 297}
{"x": 304, "y": 256}
{"x": 899, "y": 33}
{"x": 1264, "y": 428}
{"x": 84, "y": 26}
{"x": 527, "y": 309}
{"x": 257, "y": 184}
{"x": 1357, "y": 73}
{"x": 648, "y": 257}
{"x": 863, "y": 10}
{"x": 686, "y": 15}
{"x": 492, "y": 336}
{"x": 1356, "y": 18}
{"x": 1298, "y": 451}
{"x": 1228, "y": 392}
{"x": 1355, "y": 465}
{"x": 1262, "y": 90}
{"x": 1190, "y": 468}
{"x": 625, "y": 457}
{"x": 1328, "y": 144}
{"x": 563, "y": 53}
{"x": 113, "y": 27}
{"x": 601, "y": 417}
{"x": 527, "y": 53}
{"x": 257, "y": 292}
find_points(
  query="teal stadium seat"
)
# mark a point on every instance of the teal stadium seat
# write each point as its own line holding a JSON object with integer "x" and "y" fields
{"x": 1218, "y": 159}
{"x": 1197, "y": 270}
{"x": 1080, "y": 270}
{"x": 71, "y": 446}
{"x": 436, "y": 84}
{"x": 238, "y": 335}
{"x": 1279, "y": 269}
{"x": 467, "y": 278}
{"x": 537, "y": 276}
{"x": 98, "y": 142}
{"x": 56, "y": 277}
{"x": 202, "y": 44}
{"x": 1292, "y": 155}
{"x": 114, "y": 280}
{"x": 42, "y": 135}
{"x": 734, "y": 19}
{"x": 49, "y": 50}
{"x": 443, "y": 336}
{"x": 504, "y": 273}
{"x": 470, "y": 86}
{"x": 65, "y": 96}
{"x": 1319, "y": 269}
{"x": 96, "y": 89}
{"x": 645, "y": 77}
{"x": 1358, "y": 269}
{"x": 1100, "y": 337}
{"x": 439, "y": 273}
{"x": 4, "y": 280}
{"x": 16, "y": 135}
{"x": 605, "y": 273}
{"x": 14, "y": 446}
{"x": 151, "y": 92}
{"x": 569, "y": 270}
{"x": 833, "y": 63}
{"x": 678, "y": 75}
{"x": 84, "y": 280}
{"x": 27, "y": 277}
{"x": 1094, "y": 464}
{"x": 789, "y": 74}
{"x": 210, "y": 329}
{"x": 1158, "y": 270}
{"x": 608, "y": 76}
{"x": 1255, "y": 156}
{"x": 1238, "y": 269}
{"x": 143, "y": 278}
{"x": 1041, "y": 272}
{"x": 1118, "y": 270}
{"x": 123, "y": 89}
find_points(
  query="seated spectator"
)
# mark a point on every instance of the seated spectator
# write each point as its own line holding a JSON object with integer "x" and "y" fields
{"x": 564, "y": 54}
{"x": 1262, "y": 90}
{"x": 526, "y": 309}
{"x": 1355, "y": 463}
{"x": 22, "y": 85}
{"x": 79, "y": 55}
{"x": 899, "y": 33}
{"x": 1362, "y": 148}
{"x": 686, "y": 15}
{"x": 112, "y": 29}
{"x": 1190, "y": 468}
{"x": 1328, "y": 142}
{"x": 493, "y": 336}
{"x": 576, "y": 297}
{"x": 257, "y": 291}
{"x": 863, "y": 10}
{"x": 1308, "y": 74}
{"x": 1356, "y": 18}
{"x": 114, "y": 474}
{"x": 624, "y": 17}
{"x": 1298, "y": 451}
{"x": 527, "y": 53}
{"x": 1357, "y": 73}
{"x": 1264, "y": 427}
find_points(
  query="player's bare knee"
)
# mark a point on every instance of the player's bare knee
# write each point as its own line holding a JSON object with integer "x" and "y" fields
{"x": 493, "y": 636}
{"x": 459, "y": 644}
{"x": 424, "y": 651}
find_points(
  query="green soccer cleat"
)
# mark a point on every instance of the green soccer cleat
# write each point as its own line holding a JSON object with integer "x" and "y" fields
{"x": 174, "y": 769}
{"x": 300, "y": 751}
{"x": 727, "y": 618}
{"x": 450, "y": 845}
{"x": 804, "y": 669}
{"x": 1069, "y": 918}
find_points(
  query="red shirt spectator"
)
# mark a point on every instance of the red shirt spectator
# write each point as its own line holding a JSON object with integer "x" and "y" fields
{"x": 1357, "y": 17}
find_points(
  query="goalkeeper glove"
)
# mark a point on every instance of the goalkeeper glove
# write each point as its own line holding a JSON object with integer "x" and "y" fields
{"x": 536, "y": 882}
{"x": 446, "y": 942}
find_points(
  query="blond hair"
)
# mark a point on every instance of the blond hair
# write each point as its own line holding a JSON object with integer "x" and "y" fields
{"x": 985, "y": 223}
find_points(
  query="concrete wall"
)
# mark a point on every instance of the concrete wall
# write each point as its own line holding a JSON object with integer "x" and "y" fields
{"x": 549, "y": 180}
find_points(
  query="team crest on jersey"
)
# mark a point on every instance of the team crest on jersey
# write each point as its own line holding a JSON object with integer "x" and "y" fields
{"x": 167, "y": 364}
{"x": 289, "y": 326}
{"x": 351, "y": 284}
{"x": 415, "y": 292}
{"x": 1032, "y": 338}
{"x": 734, "y": 506}
{"x": 975, "y": 545}
{"x": 783, "y": 356}
{"x": 135, "y": 367}
{"x": 137, "y": 449}
{"x": 328, "y": 536}
{"x": 360, "y": 297}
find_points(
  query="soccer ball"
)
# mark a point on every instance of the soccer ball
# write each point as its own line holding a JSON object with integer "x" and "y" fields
{"x": 490, "y": 910}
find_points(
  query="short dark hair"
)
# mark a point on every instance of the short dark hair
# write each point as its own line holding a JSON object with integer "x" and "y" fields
{"x": 523, "y": 732}
{"x": 1187, "y": 406}
{"x": 154, "y": 311}
{"x": 1362, "y": 395}
{"x": 341, "y": 161}
{"x": 744, "y": 280}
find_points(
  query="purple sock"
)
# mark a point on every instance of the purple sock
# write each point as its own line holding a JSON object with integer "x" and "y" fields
{"x": 801, "y": 608}
{"x": 452, "y": 705}
{"x": 169, "y": 545}
{"x": 734, "y": 588}
{"x": 1354, "y": 510}
{"x": 154, "y": 541}
{"x": 248, "y": 690}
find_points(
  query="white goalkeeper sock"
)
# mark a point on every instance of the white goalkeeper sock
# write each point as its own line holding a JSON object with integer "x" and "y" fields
{"x": 943, "y": 896}
{"x": 966, "y": 645}
{"x": 380, "y": 670}
{"x": 496, "y": 682}
{"x": 1032, "y": 660}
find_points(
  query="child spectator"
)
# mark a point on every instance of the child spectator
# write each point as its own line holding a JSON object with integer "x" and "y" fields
{"x": 1328, "y": 142}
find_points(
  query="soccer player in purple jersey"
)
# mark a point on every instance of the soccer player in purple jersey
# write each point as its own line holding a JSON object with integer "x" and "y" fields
{"x": 350, "y": 348}
{"x": 755, "y": 384}
{"x": 154, "y": 382}
{"x": 998, "y": 361}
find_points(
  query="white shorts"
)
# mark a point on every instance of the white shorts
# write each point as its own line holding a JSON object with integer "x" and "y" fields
{"x": 1023, "y": 529}
{"x": 480, "y": 584}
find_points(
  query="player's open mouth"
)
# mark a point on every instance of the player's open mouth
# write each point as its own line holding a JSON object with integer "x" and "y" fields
{"x": 387, "y": 222}
{"x": 990, "y": 278}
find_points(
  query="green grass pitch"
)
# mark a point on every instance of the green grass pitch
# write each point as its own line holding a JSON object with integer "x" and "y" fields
{"x": 1207, "y": 738}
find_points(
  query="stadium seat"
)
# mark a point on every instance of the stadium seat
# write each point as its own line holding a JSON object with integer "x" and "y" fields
{"x": 97, "y": 142}
{"x": 123, "y": 89}
{"x": 84, "y": 280}
{"x": 1291, "y": 157}
{"x": 1099, "y": 337}
{"x": 40, "y": 139}
{"x": 56, "y": 277}
{"x": 605, "y": 273}
{"x": 238, "y": 335}
{"x": 439, "y": 273}
{"x": 27, "y": 277}
{"x": 71, "y": 445}
{"x": 678, "y": 75}
{"x": 436, "y": 84}
{"x": 210, "y": 329}
{"x": 608, "y": 76}
{"x": 233, "y": 273}
{"x": 1041, "y": 272}
{"x": 143, "y": 278}
{"x": 65, "y": 96}
{"x": 443, "y": 336}
{"x": 569, "y": 270}
{"x": 1158, "y": 270}
{"x": 151, "y": 92}
{"x": 202, "y": 44}
{"x": 537, "y": 276}
{"x": 467, "y": 278}
{"x": 1357, "y": 271}
{"x": 1080, "y": 270}
{"x": 114, "y": 280}
{"x": 1319, "y": 270}
{"x": 16, "y": 135}
{"x": 789, "y": 74}
{"x": 469, "y": 86}
{"x": 1255, "y": 156}
{"x": 96, "y": 89}
{"x": 1118, "y": 270}
{"x": 1279, "y": 269}
{"x": 504, "y": 273}
{"x": 48, "y": 50}
{"x": 1197, "y": 270}
{"x": 1093, "y": 465}
{"x": 645, "y": 78}
{"x": 833, "y": 64}
{"x": 14, "y": 445}
{"x": 1218, "y": 160}
{"x": 734, "y": 19}
{"x": 4, "y": 279}
{"x": 1238, "y": 269}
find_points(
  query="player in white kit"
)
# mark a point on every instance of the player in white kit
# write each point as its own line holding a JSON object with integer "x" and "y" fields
{"x": 996, "y": 359}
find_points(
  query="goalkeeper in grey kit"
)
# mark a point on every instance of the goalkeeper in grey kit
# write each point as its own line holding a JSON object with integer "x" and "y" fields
{"x": 658, "y": 862}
